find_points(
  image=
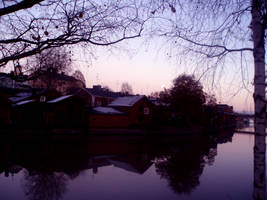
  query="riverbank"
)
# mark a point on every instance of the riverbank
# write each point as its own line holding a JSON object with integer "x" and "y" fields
{"x": 162, "y": 131}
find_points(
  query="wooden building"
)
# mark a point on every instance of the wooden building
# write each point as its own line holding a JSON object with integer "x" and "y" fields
{"x": 83, "y": 94}
{"x": 138, "y": 108}
{"x": 50, "y": 79}
{"x": 5, "y": 114}
{"x": 28, "y": 108}
{"x": 69, "y": 111}
{"x": 26, "y": 114}
{"x": 218, "y": 116}
{"x": 101, "y": 96}
{"x": 106, "y": 117}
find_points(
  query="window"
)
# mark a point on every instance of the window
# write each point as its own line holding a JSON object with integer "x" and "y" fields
{"x": 42, "y": 98}
{"x": 146, "y": 111}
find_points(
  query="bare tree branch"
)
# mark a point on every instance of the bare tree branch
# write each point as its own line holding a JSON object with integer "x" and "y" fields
{"x": 19, "y": 6}
{"x": 68, "y": 23}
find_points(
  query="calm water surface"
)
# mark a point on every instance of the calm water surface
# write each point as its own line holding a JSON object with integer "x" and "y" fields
{"x": 207, "y": 167}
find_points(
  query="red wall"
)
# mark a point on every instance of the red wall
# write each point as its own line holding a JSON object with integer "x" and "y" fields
{"x": 137, "y": 114}
{"x": 108, "y": 121}
{"x": 5, "y": 113}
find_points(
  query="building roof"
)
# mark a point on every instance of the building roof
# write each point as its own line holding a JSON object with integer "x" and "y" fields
{"x": 127, "y": 101}
{"x": 106, "y": 110}
{"x": 20, "y": 96}
{"x": 24, "y": 102}
{"x": 97, "y": 90}
{"x": 60, "y": 99}
{"x": 9, "y": 81}
{"x": 54, "y": 73}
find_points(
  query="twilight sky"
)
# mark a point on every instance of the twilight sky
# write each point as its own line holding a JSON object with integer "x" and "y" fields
{"x": 149, "y": 67}
{"x": 152, "y": 66}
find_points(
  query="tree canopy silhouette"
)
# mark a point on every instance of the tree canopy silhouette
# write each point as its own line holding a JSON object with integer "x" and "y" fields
{"x": 56, "y": 59}
{"x": 79, "y": 76}
{"x": 30, "y": 27}
{"x": 186, "y": 98}
{"x": 126, "y": 88}
{"x": 215, "y": 30}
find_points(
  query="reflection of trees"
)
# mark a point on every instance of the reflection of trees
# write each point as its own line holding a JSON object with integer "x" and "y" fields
{"x": 48, "y": 164}
{"x": 183, "y": 166}
{"x": 45, "y": 186}
{"x": 210, "y": 158}
{"x": 50, "y": 167}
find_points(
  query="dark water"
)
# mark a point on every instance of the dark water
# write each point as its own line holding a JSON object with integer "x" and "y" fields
{"x": 206, "y": 167}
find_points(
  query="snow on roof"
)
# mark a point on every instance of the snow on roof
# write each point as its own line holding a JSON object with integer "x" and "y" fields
{"x": 24, "y": 102}
{"x": 107, "y": 110}
{"x": 126, "y": 101}
{"x": 59, "y": 99}
{"x": 20, "y": 96}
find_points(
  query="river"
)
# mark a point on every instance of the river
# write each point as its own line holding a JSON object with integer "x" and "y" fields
{"x": 184, "y": 167}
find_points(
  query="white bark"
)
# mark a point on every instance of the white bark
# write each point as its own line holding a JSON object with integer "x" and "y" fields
{"x": 259, "y": 100}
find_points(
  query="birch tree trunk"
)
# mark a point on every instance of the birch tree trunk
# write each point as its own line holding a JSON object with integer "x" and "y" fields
{"x": 259, "y": 99}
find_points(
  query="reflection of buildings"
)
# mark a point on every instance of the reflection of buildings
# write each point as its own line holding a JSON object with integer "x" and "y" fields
{"x": 46, "y": 157}
{"x": 96, "y": 162}
{"x": 11, "y": 170}
{"x": 135, "y": 165}
{"x": 54, "y": 163}
{"x": 132, "y": 163}
{"x": 129, "y": 155}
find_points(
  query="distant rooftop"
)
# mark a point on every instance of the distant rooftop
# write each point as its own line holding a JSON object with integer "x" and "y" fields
{"x": 106, "y": 110}
{"x": 97, "y": 90}
{"x": 9, "y": 81}
{"x": 127, "y": 101}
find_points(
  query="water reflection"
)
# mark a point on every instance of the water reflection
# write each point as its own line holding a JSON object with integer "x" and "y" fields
{"x": 49, "y": 166}
{"x": 44, "y": 186}
{"x": 184, "y": 163}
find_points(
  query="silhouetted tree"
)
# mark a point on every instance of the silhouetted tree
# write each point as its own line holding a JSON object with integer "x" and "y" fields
{"x": 8, "y": 8}
{"x": 56, "y": 60}
{"x": 164, "y": 96}
{"x": 30, "y": 27}
{"x": 107, "y": 89}
{"x": 126, "y": 88}
{"x": 48, "y": 66}
{"x": 187, "y": 98}
{"x": 214, "y": 30}
{"x": 210, "y": 99}
{"x": 79, "y": 76}
{"x": 154, "y": 94}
